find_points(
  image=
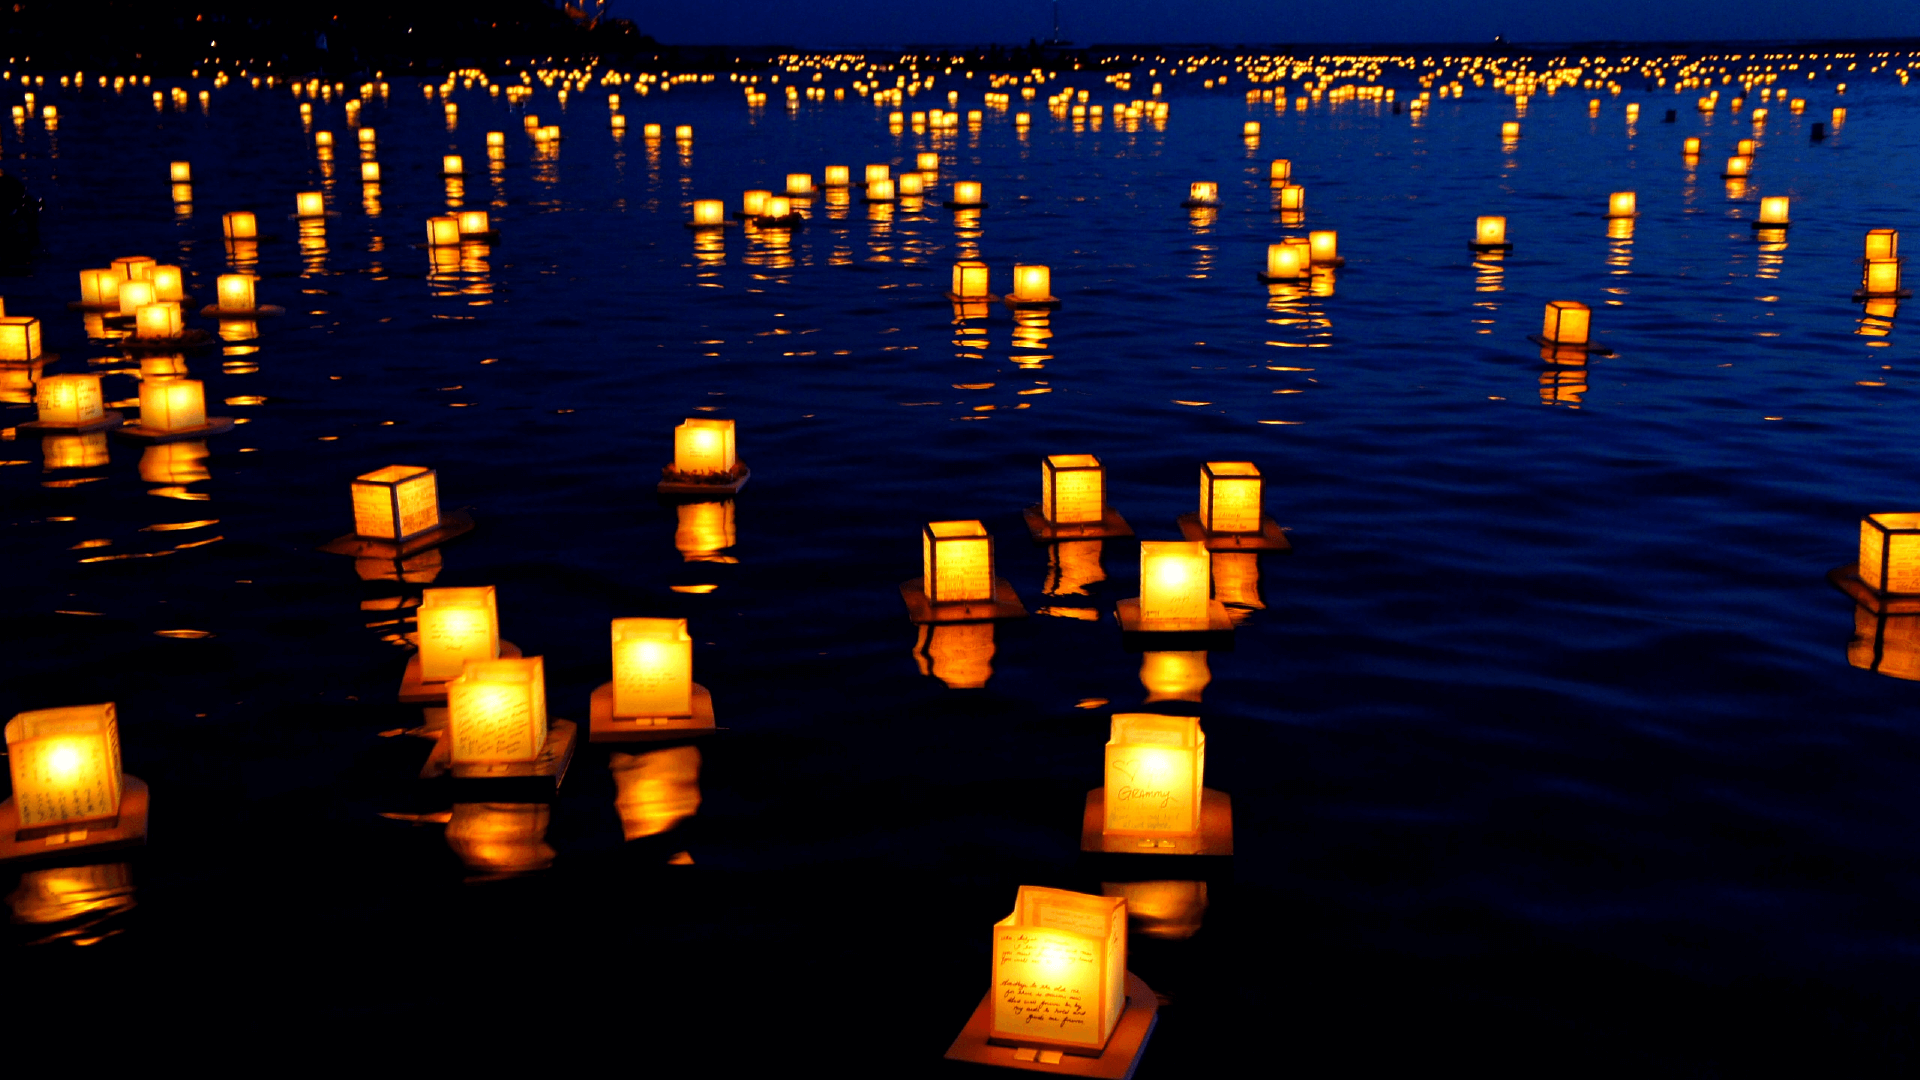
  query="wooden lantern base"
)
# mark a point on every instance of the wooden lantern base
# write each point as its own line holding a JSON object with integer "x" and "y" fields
{"x": 191, "y": 339}
{"x": 1217, "y": 637}
{"x": 1859, "y": 296}
{"x": 109, "y": 419}
{"x": 1216, "y": 830}
{"x": 1587, "y": 348}
{"x": 964, "y": 206}
{"x": 452, "y": 523}
{"x": 1759, "y": 226}
{"x": 1200, "y": 204}
{"x": 264, "y": 311}
{"x": 794, "y": 220}
{"x": 1275, "y": 279}
{"x": 1045, "y": 303}
{"x": 704, "y": 225}
{"x": 741, "y": 474}
{"x": 1004, "y": 605}
{"x": 417, "y": 691}
{"x": 132, "y": 432}
{"x": 1110, "y": 526}
{"x": 1117, "y": 1060}
{"x": 984, "y": 298}
{"x": 127, "y": 829}
{"x": 1270, "y": 537}
{"x": 1491, "y": 247}
{"x": 543, "y": 775}
{"x": 604, "y": 727}
{"x": 1622, "y": 217}
{"x": 1847, "y": 580}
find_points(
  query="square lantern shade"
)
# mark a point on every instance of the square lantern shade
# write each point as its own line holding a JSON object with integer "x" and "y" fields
{"x": 1073, "y": 489}
{"x": 396, "y": 503}
{"x": 966, "y": 193}
{"x": 1250, "y": 128}
{"x": 1176, "y": 585}
{"x": 1890, "y": 553}
{"x": 1568, "y": 322}
{"x": 618, "y": 121}
{"x": 753, "y": 203}
{"x": 912, "y": 183}
{"x": 652, "y": 668}
{"x": 369, "y": 172}
{"x": 1325, "y": 244}
{"x": 1075, "y": 947}
{"x": 1155, "y": 768}
{"x": 879, "y": 172}
{"x": 70, "y": 400}
{"x": 683, "y": 132}
{"x": 240, "y": 225}
{"x": 1882, "y": 277}
{"x": 970, "y": 280}
{"x": 498, "y": 139}
{"x": 134, "y": 267}
{"x": 1230, "y": 497}
{"x": 474, "y": 223}
{"x": 1287, "y": 261}
{"x": 1744, "y": 146}
{"x": 366, "y": 136}
{"x": 158, "y": 321}
{"x": 800, "y": 183}
{"x": 836, "y": 176}
{"x": 1738, "y": 166}
{"x": 1510, "y": 130}
{"x": 880, "y": 190}
{"x": 703, "y": 447}
{"x": 235, "y": 292}
{"x": 135, "y": 295}
{"x": 1690, "y": 148}
{"x": 1490, "y": 230}
{"x": 957, "y": 559}
{"x": 650, "y": 131}
{"x": 323, "y": 138}
{"x": 19, "y": 338}
{"x": 709, "y": 212}
{"x": 1203, "y": 191}
{"x": 497, "y": 711}
{"x": 1620, "y": 204}
{"x": 1773, "y": 210}
{"x": 1883, "y": 244}
{"x": 928, "y": 162}
{"x": 180, "y": 172}
{"x": 65, "y": 765}
{"x": 456, "y": 626}
{"x": 1292, "y": 198}
{"x": 443, "y": 231}
{"x": 99, "y": 288}
{"x": 169, "y": 283}
{"x": 779, "y": 207}
{"x": 309, "y": 204}
{"x": 172, "y": 404}
{"x": 1281, "y": 169}
{"x": 451, "y": 165}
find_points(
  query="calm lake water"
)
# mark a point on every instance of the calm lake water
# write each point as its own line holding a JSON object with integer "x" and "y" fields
{"x": 1544, "y": 744}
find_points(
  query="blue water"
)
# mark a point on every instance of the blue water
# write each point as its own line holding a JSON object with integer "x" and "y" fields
{"x": 1544, "y": 749}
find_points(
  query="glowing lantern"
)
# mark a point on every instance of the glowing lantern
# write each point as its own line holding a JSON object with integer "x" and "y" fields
{"x": 650, "y": 131}
{"x": 1739, "y": 166}
{"x": 100, "y": 288}
{"x": 966, "y": 193}
{"x": 957, "y": 557}
{"x": 157, "y": 321}
{"x": 1690, "y": 148}
{"x": 836, "y": 176}
{"x": 474, "y": 224}
{"x": 1072, "y": 489}
{"x": 1633, "y": 111}
{"x": 1155, "y": 767}
{"x": 19, "y": 338}
{"x": 235, "y": 292}
{"x": 1325, "y": 245}
{"x": 168, "y": 283}
{"x": 70, "y": 401}
{"x": 1250, "y": 129}
{"x": 369, "y": 172}
{"x": 443, "y": 231}
{"x": 1773, "y": 213}
{"x": 1890, "y": 553}
{"x": 1202, "y": 193}
{"x": 880, "y": 191}
{"x": 134, "y": 295}
{"x": 1568, "y": 322}
{"x": 1287, "y": 262}
{"x": 703, "y": 447}
{"x": 456, "y": 626}
{"x": 1620, "y": 204}
{"x": 1280, "y": 171}
{"x": 366, "y": 136}
{"x": 1032, "y": 285}
{"x": 777, "y": 209}
{"x": 1175, "y": 585}
{"x": 1022, "y": 120}
{"x": 1230, "y": 497}
{"x": 879, "y": 172}
{"x": 181, "y": 172}
{"x": 709, "y": 213}
{"x": 240, "y": 225}
{"x": 1744, "y": 146}
{"x": 497, "y": 711}
{"x": 1490, "y": 232}
{"x": 451, "y": 165}
{"x": 1075, "y": 946}
{"x": 497, "y": 140}
{"x": 65, "y": 765}
{"x": 800, "y": 183}
{"x": 1839, "y": 118}
{"x": 928, "y": 162}
{"x": 969, "y": 281}
{"x": 652, "y": 668}
{"x": 753, "y": 203}
{"x": 1883, "y": 244}
{"x": 1510, "y": 131}
{"x": 134, "y": 267}
{"x": 168, "y": 405}
{"x": 309, "y": 204}
{"x": 912, "y": 183}
{"x": 1882, "y": 278}
{"x": 683, "y": 133}
{"x": 1291, "y": 199}
{"x": 398, "y": 502}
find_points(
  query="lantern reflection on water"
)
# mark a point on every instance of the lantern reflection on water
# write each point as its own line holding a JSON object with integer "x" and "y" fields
{"x": 86, "y": 450}
{"x": 655, "y": 790}
{"x": 1166, "y": 910}
{"x": 175, "y": 464}
{"x": 1236, "y": 582}
{"x": 1155, "y": 768}
{"x": 1885, "y": 643}
{"x": 1072, "y": 565}
{"x": 1174, "y": 675}
{"x": 87, "y": 897}
{"x": 958, "y": 654}
{"x": 705, "y": 529}
{"x": 501, "y": 839}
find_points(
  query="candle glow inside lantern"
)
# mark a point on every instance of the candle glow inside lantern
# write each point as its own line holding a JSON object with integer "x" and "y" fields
{"x": 70, "y": 400}
{"x": 928, "y": 162}
{"x": 836, "y": 176}
{"x": 1690, "y": 148}
{"x": 1882, "y": 278}
{"x": 451, "y": 165}
{"x": 1567, "y": 322}
{"x": 1032, "y": 284}
{"x": 100, "y": 288}
{"x": 309, "y": 204}
{"x": 240, "y": 225}
{"x": 1490, "y": 231}
{"x": 800, "y": 183}
{"x": 970, "y": 279}
{"x": 652, "y": 668}
{"x": 474, "y": 224}
{"x": 753, "y": 203}
{"x": 683, "y": 133}
{"x": 912, "y": 183}
{"x": 1773, "y": 212}
{"x": 1155, "y": 768}
{"x": 1075, "y": 947}
{"x": 1883, "y": 244}
{"x": 1621, "y": 204}
{"x": 880, "y": 190}
{"x": 1291, "y": 199}
{"x": 1072, "y": 489}
{"x": 134, "y": 295}
{"x": 1739, "y": 166}
{"x": 1744, "y": 146}
{"x": 966, "y": 193}
{"x": 1230, "y": 497}
{"x": 498, "y": 139}
{"x": 703, "y": 447}
{"x": 65, "y": 765}
{"x": 169, "y": 283}
{"x": 777, "y": 209}
{"x": 158, "y": 321}
{"x": 19, "y": 338}
{"x": 1890, "y": 553}
{"x": 879, "y": 172}
{"x": 1325, "y": 247}
{"x": 1287, "y": 262}
{"x": 366, "y": 136}
{"x": 396, "y": 503}
{"x": 443, "y": 231}
{"x": 957, "y": 558}
{"x": 1202, "y": 193}
{"x": 1280, "y": 171}
{"x": 181, "y": 172}
{"x": 172, "y": 404}
{"x": 457, "y": 625}
{"x": 709, "y": 213}
{"x": 497, "y": 711}
{"x": 1175, "y": 585}
{"x": 1509, "y": 131}
{"x": 235, "y": 292}
{"x": 369, "y": 172}
{"x": 1250, "y": 129}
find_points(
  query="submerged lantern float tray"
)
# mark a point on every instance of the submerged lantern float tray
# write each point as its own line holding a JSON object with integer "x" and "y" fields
{"x": 1587, "y": 348}
{"x": 453, "y": 523}
{"x": 111, "y": 418}
{"x": 1271, "y": 536}
{"x": 604, "y": 727}
{"x": 1847, "y": 580}
{"x": 1111, "y": 526}
{"x": 417, "y": 691}
{"x": 126, "y": 829}
{"x": 1044, "y": 303}
{"x": 504, "y": 781}
{"x": 1004, "y": 605}
{"x": 1216, "y": 830}
{"x": 132, "y": 432}
{"x": 729, "y": 483}
{"x": 1118, "y": 1060}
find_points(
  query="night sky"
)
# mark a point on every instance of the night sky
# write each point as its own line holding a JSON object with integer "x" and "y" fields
{"x": 847, "y": 22}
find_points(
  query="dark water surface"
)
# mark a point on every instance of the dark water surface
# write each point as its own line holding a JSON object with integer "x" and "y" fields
{"x": 1545, "y": 749}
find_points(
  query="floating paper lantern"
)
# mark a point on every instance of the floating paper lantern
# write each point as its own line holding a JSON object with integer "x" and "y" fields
{"x": 1280, "y": 171}
{"x": 1890, "y": 553}
{"x": 1739, "y": 166}
{"x": 1073, "y": 945}
{"x": 1690, "y": 148}
{"x": 369, "y": 172}
{"x": 235, "y": 292}
{"x": 65, "y": 765}
{"x": 1773, "y": 212}
{"x": 1621, "y": 204}
{"x": 474, "y": 224}
{"x": 1839, "y": 118}
{"x": 1072, "y": 489}
{"x": 966, "y": 193}
{"x": 1883, "y": 244}
{"x": 158, "y": 321}
{"x": 709, "y": 213}
{"x": 100, "y": 288}
{"x": 836, "y": 176}
{"x": 169, "y": 283}
{"x": 1287, "y": 261}
{"x": 1290, "y": 199}
{"x": 1510, "y": 131}
{"x": 880, "y": 191}
{"x": 650, "y": 131}
{"x": 1033, "y": 284}
{"x": 323, "y": 139}
{"x": 1250, "y": 129}
{"x": 70, "y": 400}
{"x": 169, "y": 405}
{"x": 1568, "y": 322}
{"x": 1490, "y": 232}
{"x": 683, "y": 133}
{"x": 1202, "y": 193}
{"x": 19, "y": 338}
{"x": 1230, "y": 497}
{"x": 181, "y": 172}
{"x": 309, "y": 204}
{"x": 1744, "y": 146}
{"x": 1021, "y": 120}
{"x": 497, "y": 140}
{"x": 366, "y": 136}
{"x": 1633, "y": 111}
{"x": 753, "y": 203}
{"x": 970, "y": 279}
{"x": 957, "y": 558}
{"x": 451, "y": 165}
{"x": 457, "y": 626}
{"x": 396, "y": 503}
{"x": 1175, "y": 585}
{"x": 778, "y": 209}
{"x": 879, "y": 172}
{"x": 652, "y": 668}
{"x": 928, "y": 162}
{"x": 912, "y": 183}
{"x": 134, "y": 295}
{"x": 134, "y": 267}
{"x": 703, "y": 447}
{"x": 497, "y": 712}
{"x": 1882, "y": 278}
{"x": 240, "y": 225}
{"x": 800, "y": 183}
{"x": 1325, "y": 244}
{"x": 1155, "y": 768}
{"x": 443, "y": 231}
